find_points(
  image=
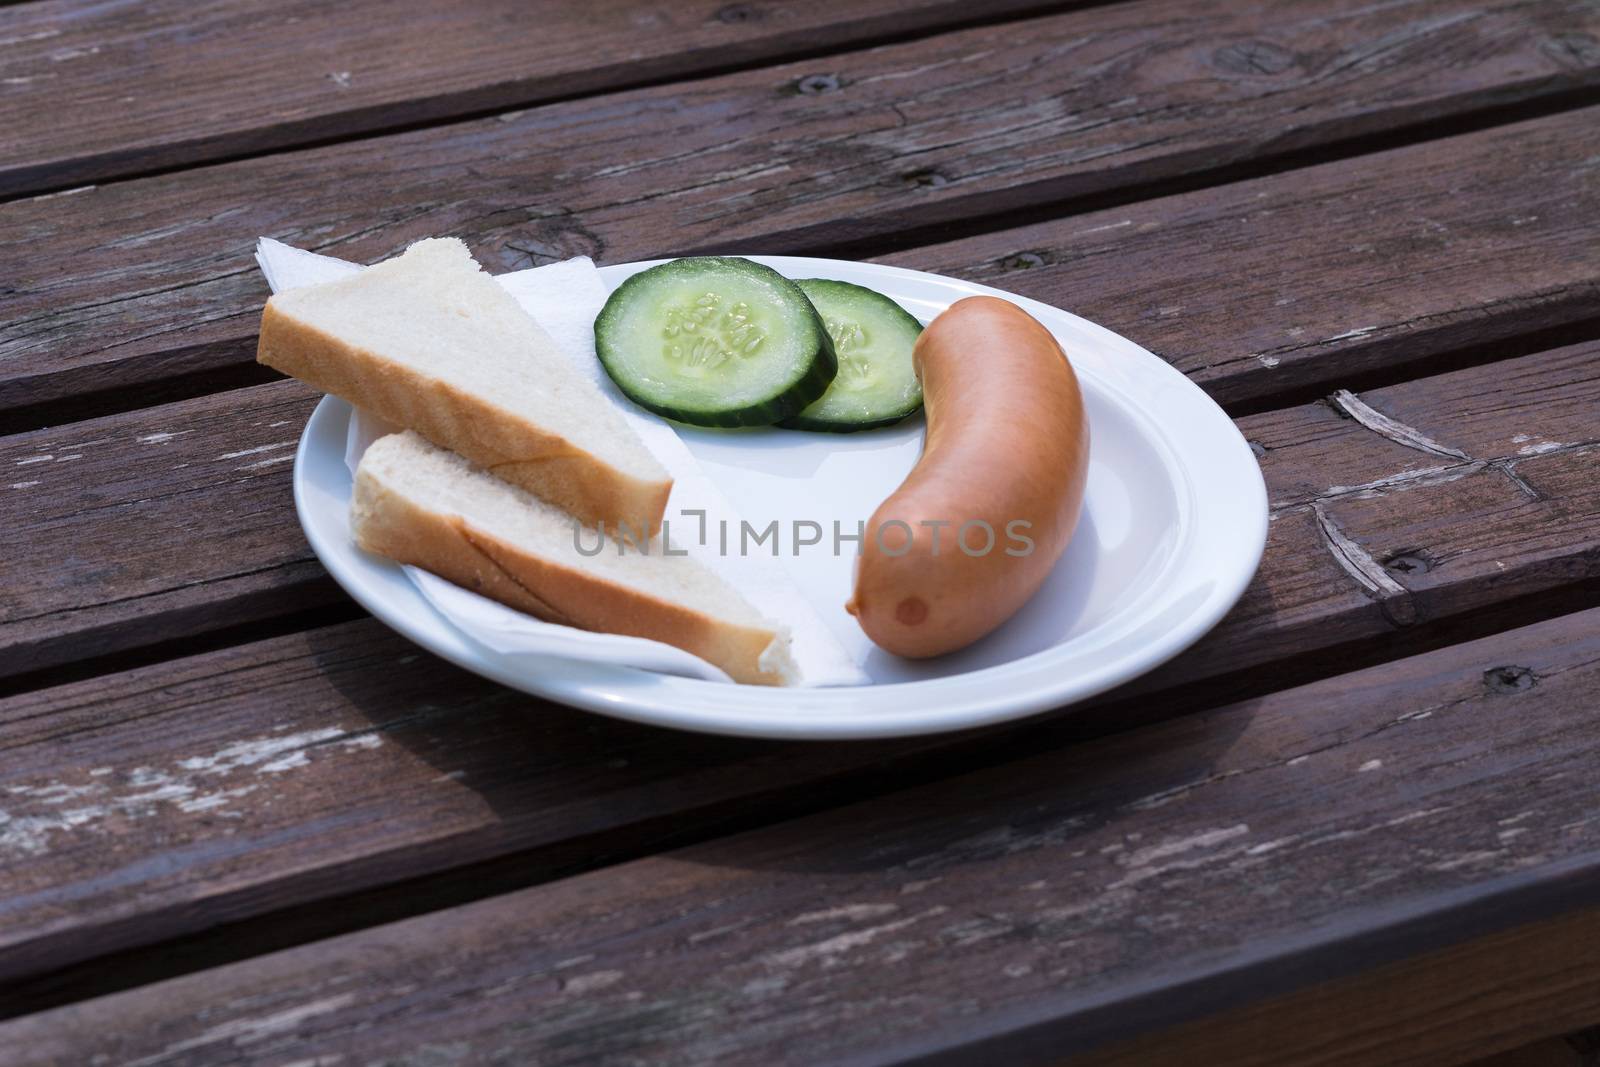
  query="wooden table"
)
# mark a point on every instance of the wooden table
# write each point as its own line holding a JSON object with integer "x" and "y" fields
{"x": 1359, "y": 823}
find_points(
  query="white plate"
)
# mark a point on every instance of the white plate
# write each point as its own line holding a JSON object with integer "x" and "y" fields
{"x": 1174, "y": 522}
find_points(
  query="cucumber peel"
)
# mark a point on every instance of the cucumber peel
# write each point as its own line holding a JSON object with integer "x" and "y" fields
{"x": 872, "y": 337}
{"x": 715, "y": 341}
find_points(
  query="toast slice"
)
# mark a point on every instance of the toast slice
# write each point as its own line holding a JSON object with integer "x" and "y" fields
{"x": 422, "y": 505}
{"x": 429, "y": 341}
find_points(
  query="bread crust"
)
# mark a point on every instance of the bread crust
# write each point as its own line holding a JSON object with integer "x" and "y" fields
{"x": 545, "y": 464}
{"x": 387, "y": 522}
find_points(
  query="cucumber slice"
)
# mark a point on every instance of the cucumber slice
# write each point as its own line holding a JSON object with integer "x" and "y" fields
{"x": 715, "y": 341}
{"x": 872, "y": 338}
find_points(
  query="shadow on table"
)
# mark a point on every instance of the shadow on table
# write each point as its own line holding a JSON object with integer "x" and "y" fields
{"x": 560, "y": 791}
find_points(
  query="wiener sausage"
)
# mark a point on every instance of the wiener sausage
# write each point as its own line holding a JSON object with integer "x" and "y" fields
{"x": 991, "y": 504}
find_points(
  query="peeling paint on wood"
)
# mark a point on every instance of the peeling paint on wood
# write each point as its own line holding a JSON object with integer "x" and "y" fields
{"x": 42, "y": 815}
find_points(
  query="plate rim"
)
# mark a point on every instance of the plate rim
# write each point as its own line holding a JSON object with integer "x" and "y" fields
{"x": 835, "y": 713}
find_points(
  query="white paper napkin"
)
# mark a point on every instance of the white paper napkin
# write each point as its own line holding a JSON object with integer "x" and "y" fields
{"x": 564, "y": 299}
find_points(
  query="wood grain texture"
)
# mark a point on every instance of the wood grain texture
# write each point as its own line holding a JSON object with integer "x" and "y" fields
{"x": 1303, "y": 280}
{"x": 120, "y": 286}
{"x": 171, "y": 521}
{"x": 158, "y": 802}
{"x": 1015, "y": 915}
{"x": 153, "y": 85}
{"x": 1441, "y": 1008}
{"x": 373, "y": 730}
{"x": 143, "y": 529}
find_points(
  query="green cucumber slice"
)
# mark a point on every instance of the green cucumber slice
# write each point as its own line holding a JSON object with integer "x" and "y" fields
{"x": 872, "y": 339}
{"x": 715, "y": 341}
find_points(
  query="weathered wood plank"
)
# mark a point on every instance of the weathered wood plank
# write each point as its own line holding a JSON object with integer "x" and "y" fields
{"x": 1441, "y": 1008}
{"x": 1013, "y": 915}
{"x": 322, "y": 763}
{"x": 154, "y": 85}
{"x": 1419, "y": 554}
{"x": 148, "y": 528}
{"x": 372, "y": 731}
{"x": 1512, "y": 409}
{"x": 157, "y": 524}
{"x": 138, "y": 282}
{"x": 1305, "y": 280}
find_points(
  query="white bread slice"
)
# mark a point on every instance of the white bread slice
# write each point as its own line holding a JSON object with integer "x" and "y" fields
{"x": 428, "y": 507}
{"x": 429, "y": 341}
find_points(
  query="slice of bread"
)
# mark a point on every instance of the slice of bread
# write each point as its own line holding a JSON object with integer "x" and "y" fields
{"x": 429, "y": 341}
{"x": 428, "y": 507}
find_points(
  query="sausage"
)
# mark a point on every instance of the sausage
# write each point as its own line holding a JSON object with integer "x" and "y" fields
{"x": 1007, "y": 449}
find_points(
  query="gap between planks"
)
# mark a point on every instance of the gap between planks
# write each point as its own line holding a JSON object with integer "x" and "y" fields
{"x": 1368, "y": 572}
{"x": 1462, "y": 357}
{"x": 300, "y": 924}
{"x": 1356, "y": 938}
{"x": 984, "y": 218}
{"x": 84, "y": 406}
{"x": 381, "y": 129}
{"x": 1265, "y": 165}
{"x": 1471, "y": 120}
{"x": 342, "y": 609}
